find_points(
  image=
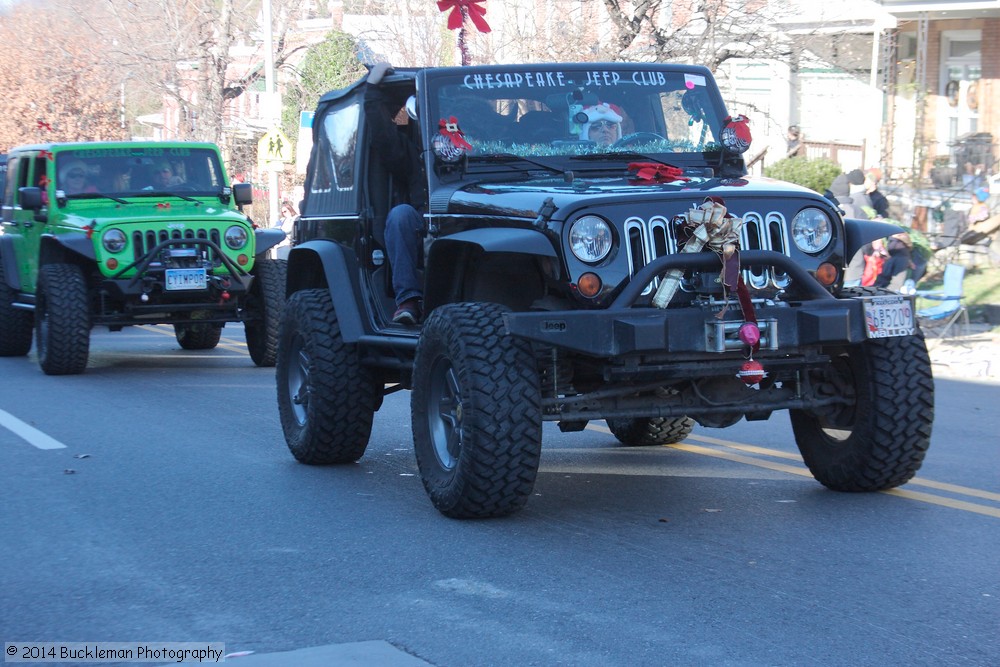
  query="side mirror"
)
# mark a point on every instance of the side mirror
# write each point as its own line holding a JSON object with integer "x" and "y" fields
{"x": 242, "y": 194}
{"x": 30, "y": 198}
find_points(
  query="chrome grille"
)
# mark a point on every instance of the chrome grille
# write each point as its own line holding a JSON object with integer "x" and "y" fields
{"x": 645, "y": 240}
{"x": 143, "y": 242}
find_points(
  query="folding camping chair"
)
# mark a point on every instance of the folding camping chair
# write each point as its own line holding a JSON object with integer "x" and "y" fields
{"x": 951, "y": 309}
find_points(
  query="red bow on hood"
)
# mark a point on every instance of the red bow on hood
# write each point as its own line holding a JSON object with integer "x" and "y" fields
{"x": 657, "y": 172}
{"x": 457, "y": 16}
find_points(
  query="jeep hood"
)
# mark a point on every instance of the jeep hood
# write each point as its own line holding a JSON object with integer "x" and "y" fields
{"x": 525, "y": 198}
{"x": 170, "y": 214}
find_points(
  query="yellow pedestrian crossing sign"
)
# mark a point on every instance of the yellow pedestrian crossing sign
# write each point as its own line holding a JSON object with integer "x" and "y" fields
{"x": 274, "y": 146}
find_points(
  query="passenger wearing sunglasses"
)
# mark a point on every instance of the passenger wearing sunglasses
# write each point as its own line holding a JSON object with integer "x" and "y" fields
{"x": 73, "y": 178}
{"x": 603, "y": 126}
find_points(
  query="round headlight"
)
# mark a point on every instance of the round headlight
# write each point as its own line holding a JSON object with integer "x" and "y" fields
{"x": 811, "y": 230}
{"x": 590, "y": 238}
{"x": 236, "y": 237}
{"x": 113, "y": 240}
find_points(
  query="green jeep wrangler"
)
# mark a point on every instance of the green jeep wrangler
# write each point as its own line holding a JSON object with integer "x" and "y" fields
{"x": 125, "y": 233}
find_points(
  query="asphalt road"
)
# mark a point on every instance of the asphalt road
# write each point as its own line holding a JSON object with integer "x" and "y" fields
{"x": 153, "y": 499}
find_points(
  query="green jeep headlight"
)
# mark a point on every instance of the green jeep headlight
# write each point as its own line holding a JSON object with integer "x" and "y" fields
{"x": 236, "y": 237}
{"x": 113, "y": 240}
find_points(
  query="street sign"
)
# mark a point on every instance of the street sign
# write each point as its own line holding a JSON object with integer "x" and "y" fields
{"x": 274, "y": 145}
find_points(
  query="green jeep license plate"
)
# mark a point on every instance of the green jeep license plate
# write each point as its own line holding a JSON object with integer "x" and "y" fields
{"x": 888, "y": 316}
{"x": 181, "y": 279}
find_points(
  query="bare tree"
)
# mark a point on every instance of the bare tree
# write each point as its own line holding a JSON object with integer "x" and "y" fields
{"x": 705, "y": 32}
{"x": 183, "y": 52}
{"x": 53, "y": 82}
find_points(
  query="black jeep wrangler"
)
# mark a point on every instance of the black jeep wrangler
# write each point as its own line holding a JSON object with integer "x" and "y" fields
{"x": 594, "y": 250}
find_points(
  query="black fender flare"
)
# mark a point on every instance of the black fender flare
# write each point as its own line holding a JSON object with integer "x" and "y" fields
{"x": 10, "y": 274}
{"x": 265, "y": 239}
{"x": 54, "y": 247}
{"x": 326, "y": 264}
{"x": 498, "y": 239}
{"x": 446, "y": 251}
{"x": 861, "y": 232}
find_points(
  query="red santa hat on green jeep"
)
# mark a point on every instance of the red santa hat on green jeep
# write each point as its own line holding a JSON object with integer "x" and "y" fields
{"x": 600, "y": 112}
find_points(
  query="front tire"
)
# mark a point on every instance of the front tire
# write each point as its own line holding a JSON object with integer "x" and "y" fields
{"x": 267, "y": 301}
{"x": 326, "y": 398}
{"x": 62, "y": 320}
{"x": 476, "y": 413}
{"x": 879, "y": 442}
{"x": 644, "y": 432}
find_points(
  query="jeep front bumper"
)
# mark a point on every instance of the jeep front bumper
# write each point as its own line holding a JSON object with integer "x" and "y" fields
{"x": 786, "y": 326}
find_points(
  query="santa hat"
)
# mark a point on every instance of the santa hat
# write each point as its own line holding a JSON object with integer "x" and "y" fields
{"x": 600, "y": 112}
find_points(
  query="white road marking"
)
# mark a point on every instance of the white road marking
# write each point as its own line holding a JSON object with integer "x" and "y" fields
{"x": 34, "y": 437}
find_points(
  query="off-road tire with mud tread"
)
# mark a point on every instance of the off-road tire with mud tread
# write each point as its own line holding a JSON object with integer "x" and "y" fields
{"x": 62, "y": 319}
{"x": 645, "y": 432}
{"x": 884, "y": 436}
{"x": 198, "y": 336}
{"x": 326, "y": 398}
{"x": 476, "y": 412}
{"x": 267, "y": 301}
{"x": 16, "y": 324}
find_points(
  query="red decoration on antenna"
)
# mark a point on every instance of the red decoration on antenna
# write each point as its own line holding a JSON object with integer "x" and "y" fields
{"x": 462, "y": 8}
{"x": 459, "y": 11}
{"x": 42, "y": 125}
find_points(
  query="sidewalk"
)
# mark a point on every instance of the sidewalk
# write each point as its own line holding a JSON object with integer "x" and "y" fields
{"x": 974, "y": 354}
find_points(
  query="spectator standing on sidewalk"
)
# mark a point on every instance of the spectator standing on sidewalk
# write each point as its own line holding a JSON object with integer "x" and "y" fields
{"x": 898, "y": 264}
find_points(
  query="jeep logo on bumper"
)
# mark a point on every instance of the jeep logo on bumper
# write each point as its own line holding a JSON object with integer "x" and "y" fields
{"x": 553, "y": 326}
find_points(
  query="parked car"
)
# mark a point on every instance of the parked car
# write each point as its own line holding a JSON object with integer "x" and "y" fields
{"x": 125, "y": 233}
{"x": 648, "y": 282}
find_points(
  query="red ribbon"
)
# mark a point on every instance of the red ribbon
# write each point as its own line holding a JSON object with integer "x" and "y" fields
{"x": 457, "y": 16}
{"x": 42, "y": 125}
{"x": 657, "y": 172}
{"x": 46, "y": 155}
{"x": 449, "y": 128}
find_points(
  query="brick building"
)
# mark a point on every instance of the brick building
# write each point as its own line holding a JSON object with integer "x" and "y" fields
{"x": 940, "y": 76}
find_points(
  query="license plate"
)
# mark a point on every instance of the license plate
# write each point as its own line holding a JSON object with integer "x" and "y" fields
{"x": 888, "y": 316}
{"x": 179, "y": 279}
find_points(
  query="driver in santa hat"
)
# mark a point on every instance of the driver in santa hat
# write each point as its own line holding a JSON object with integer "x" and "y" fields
{"x": 603, "y": 126}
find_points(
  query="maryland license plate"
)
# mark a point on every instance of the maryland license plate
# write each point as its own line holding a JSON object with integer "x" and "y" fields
{"x": 888, "y": 316}
{"x": 181, "y": 279}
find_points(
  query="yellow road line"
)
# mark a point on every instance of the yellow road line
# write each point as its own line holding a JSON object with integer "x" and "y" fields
{"x": 804, "y": 472}
{"x": 941, "y": 486}
{"x": 225, "y": 343}
{"x": 946, "y": 502}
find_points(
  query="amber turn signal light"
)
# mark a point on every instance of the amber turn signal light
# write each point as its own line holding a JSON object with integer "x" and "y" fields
{"x": 589, "y": 284}
{"x": 112, "y": 263}
{"x": 826, "y": 274}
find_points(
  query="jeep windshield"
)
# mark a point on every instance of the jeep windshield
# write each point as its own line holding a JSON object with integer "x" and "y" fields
{"x": 552, "y": 115}
{"x": 138, "y": 171}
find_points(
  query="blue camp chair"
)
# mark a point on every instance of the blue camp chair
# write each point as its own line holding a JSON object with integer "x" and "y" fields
{"x": 951, "y": 309}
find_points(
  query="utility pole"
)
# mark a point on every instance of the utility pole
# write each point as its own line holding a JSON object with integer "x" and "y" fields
{"x": 272, "y": 110}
